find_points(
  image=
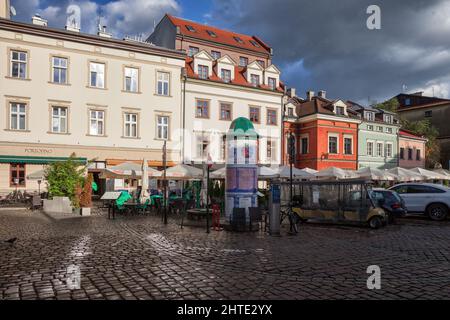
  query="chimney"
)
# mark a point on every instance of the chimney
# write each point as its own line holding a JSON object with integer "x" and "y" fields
{"x": 323, "y": 94}
{"x": 291, "y": 92}
{"x": 309, "y": 95}
{"x": 37, "y": 20}
{"x": 103, "y": 33}
{"x": 5, "y": 9}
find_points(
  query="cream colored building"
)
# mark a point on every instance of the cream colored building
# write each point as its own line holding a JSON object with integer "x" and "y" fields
{"x": 212, "y": 103}
{"x": 63, "y": 92}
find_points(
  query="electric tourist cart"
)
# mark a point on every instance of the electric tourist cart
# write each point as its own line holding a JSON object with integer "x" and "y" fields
{"x": 341, "y": 202}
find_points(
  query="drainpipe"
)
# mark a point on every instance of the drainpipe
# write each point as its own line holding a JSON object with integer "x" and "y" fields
{"x": 183, "y": 111}
{"x": 283, "y": 117}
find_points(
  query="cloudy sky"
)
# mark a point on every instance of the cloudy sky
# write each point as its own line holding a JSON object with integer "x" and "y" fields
{"x": 320, "y": 44}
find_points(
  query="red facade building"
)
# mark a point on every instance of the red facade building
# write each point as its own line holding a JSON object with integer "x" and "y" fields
{"x": 326, "y": 132}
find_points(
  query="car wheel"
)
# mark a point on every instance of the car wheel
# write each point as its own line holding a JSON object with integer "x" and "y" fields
{"x": 437, "y": 212}
{"x": 375, "y": 223}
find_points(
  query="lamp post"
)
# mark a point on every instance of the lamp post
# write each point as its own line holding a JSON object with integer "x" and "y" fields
{"x": 291, "y": 144}
{"x": 39, "y": 186}
{"x": 209, "y": 164}
{"x": 165, "y": 180}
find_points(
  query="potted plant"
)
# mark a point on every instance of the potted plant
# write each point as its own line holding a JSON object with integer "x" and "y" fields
{"x": 86, "y": 197}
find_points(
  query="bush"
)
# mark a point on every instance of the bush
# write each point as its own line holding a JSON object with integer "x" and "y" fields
{"x": 63, "y": 178}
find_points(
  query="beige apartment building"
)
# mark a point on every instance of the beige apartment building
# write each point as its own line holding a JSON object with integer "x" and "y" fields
{"x": 63, "y": 92}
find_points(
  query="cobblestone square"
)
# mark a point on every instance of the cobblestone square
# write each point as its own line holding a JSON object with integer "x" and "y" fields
{"x": 140, "y": 258}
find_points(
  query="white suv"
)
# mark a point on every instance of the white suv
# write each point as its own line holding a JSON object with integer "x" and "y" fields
{"x": 428, "y": 198}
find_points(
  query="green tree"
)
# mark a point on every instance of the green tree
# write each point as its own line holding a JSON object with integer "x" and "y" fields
{"x": 63, "y": 178}
{"x": 389, "y": 105}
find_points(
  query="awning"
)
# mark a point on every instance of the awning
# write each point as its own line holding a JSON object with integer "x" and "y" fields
{"x": 38, "y": 160}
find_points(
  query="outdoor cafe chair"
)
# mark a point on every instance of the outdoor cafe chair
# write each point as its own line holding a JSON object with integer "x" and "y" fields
{"x": 238, "y": 219}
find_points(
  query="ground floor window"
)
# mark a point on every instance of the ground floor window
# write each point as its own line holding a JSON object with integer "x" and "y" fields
{"x": 348, "y": 146}
{"x": 17, "y": 174}
{"x": 333, "y": 144}
{"x": 402, "y": 153}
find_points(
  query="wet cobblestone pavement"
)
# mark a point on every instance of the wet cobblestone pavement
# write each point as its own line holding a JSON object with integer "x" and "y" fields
{"x": 139, "y": 258}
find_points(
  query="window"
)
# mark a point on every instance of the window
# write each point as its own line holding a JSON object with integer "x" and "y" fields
{"x": 226, "y": 75}
{"x": 340, "y": 111}
{"x": 370, "y": 116}
{"x": 291, "y": 112}
{"x": 216, "y": 55}
{"x": 131, "y": 79}
{"x": 254, "y": 79}
{"x": 212, "y": 33}
{"x": 255, "y": 115}
{"x": 261, "y": 63}
{"x": 243, "y": 61}
{"x": 163, "y": 79}
{"x": 59, "y": 70}
{"x": 304, "y": 145}
{"x": 18, "y": 114}
{"x": 333, "y": 144}
{"x": 348, "y": 146}
{"x": 190, "y": 28}
{"x": 163, "y": 127}
{"x": 193, "y": 51}
{"x": 223, "y": 148}
{"x": 388, "y": 150}
{"x": 418, "y": 156}
{"x": 272, "y": 117}
{"x": 97, "y": 123}
{"x": 402, "y": 153}
{"x": 422, "y": 189}
{"x": 410, "y": 154}
{"x": 271, "y": 150}
{"x": 370, "y": 127}
{"x": 202, "y": 146}
{"x": 407, "y": 102}
{"x": 97, "y": 75}
{"x": 59, "y": 119}
{"x": 202, "y": 110}
{"x": 388, "y": 119}
{"x": 254, "y": 43}
{"x": 239, "y": 40}
{"x": 19, "y": 60}
{"x": 389, "y": 130}
{"x": 379, "y": 149}
{"x": 428, "y": 114}
{"x": 17, "y": 174}
{"x": 272, "y": 82}
{"x": 131, "y": 125}
{"x": 203, "y": 71}
{"x": 369, "y": 148}
{"x": 225, "y": 111}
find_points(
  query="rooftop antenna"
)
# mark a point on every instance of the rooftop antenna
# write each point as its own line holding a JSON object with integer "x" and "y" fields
{"x": 404, "y": 88}
{"x": 433, "y": 90}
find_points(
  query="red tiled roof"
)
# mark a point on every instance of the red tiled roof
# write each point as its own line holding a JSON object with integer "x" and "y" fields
{"x": 409, "y": 134}
{"x": 222, "y": 36}
{"x": 239, "y": 76}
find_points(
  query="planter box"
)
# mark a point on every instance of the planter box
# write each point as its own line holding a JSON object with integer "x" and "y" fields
{"x": 85, "y": 212}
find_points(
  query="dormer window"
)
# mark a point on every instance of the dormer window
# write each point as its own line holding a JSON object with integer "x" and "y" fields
{"x": 238, "y": 40}
{"x": 272, "y": 82}
{"x": 203, "y": 71}
{"x": 340, "y": 111}
{"x": 261, "y": 63}
{"x": 193, "y": 51}
{"x": 254, "y": 43}
{"x": 216, "y": 55}
{"x": 190, "y": 28}
{"x": 254, "y": 79}
{"x": 211, "y": 33}
{"x": 388, "y": 119}
{"x": 370, "y": 116}
{"x": 226, "y": 75}
{"x": 243, "y": 61}
{"x": 291, "y": 112}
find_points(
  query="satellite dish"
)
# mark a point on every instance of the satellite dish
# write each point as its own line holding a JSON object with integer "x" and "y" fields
{"x": 13, "y": 11}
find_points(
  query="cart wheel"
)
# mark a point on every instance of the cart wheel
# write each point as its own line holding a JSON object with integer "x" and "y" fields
{"x": 375, "y": 222}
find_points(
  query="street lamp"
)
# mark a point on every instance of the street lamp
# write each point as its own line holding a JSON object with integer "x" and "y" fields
{"x": 209, "y": 164}
{"x": 165, "y": 180}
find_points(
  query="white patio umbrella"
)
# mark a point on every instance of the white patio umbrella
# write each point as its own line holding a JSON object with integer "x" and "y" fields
{"x": 263, "y": 173}
{"x": 284, "y": 172}
{"x": 335, "y": 173}
{"x": 128, "y": 170}
{"x": 144, "y": 192}
{"x": 375, "y": 174}
{"x": 443, "y": 172}
{"x": 183, "y": 172}
{"x": 404, "y": 175}
{"x": 38, "y": 175}
{"x": 430, "y": 175}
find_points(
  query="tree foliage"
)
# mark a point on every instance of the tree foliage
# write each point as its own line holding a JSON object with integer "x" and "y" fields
{"x": 63, "y": 177}
{"x": 389, "y": 105}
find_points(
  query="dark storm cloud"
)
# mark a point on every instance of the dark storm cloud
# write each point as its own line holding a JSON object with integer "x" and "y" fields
{"x": 326, "y": 44}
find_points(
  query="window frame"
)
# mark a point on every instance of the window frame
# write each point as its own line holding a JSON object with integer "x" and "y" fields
{"x": 222, "y": 71}
{"x": 131, "y": 123}
{"x": 372, "y": 149}
{"x": 191, "y": 50}
{"x": 208, "y": 108}
{"x": 105, "y": 65}
{"x": 162, "y": 125}
{"x": 216, "y": 55}
{"x": 230, "y": 105}
{"x": 389, "y": 154}
{"x": 274, "y": 80}
{"x": 19, "y": 185}
{"x": 53, "y": 67}
{"x": 18, "y": 113}
{"x": 11, "y": 62}
{"x": 250, "y": 114}
{"x": 333, "y": 135}
{"x": 255, "y": 76}
{"x": 302, "y": 138}
{"x": 241, "y": 59}
{"x": 378, "y": 143}
{"x": 201, "y": 69}
{"x": 52, "y": 116}
{"x": 348, "y": 137}
{"x": 169, "y": 81}
{"x": 269, "y": 110}
{"x": 103, "y": 120}
{"x": 138, "y": 79}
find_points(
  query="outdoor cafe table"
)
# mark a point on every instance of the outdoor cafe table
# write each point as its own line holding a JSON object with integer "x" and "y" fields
{"x": 199, "y": 213}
